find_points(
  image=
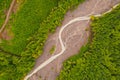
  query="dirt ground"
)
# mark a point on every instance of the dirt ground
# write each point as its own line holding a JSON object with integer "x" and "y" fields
{"x": 74, "y": 37}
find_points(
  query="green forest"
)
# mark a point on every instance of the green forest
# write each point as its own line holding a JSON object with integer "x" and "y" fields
{"x": 100, "y": 58}
{"x": 31, "y": 25}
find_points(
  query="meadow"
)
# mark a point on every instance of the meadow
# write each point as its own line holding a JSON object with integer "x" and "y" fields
{"x": 25, "y": 22}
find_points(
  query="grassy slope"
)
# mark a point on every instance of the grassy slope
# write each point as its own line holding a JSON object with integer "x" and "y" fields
{"x": 4, "y": 5}
{"x": 99, "y": 60}
{"x": 26, "y": 22}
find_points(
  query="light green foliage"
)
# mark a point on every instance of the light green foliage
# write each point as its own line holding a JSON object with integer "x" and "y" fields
{"x": 92, "y": 17}
{"x": 99, "y": 60}
{"x": 52, "y": 50}
{"x": 4, "y": 5}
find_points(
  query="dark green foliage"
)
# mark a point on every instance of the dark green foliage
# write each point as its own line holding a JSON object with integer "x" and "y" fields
{"x": 7, "y": 65}
{"x": 99, "y": 60}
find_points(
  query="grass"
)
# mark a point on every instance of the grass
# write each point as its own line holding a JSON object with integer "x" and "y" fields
{"x": 52, "y": 50}
{"x": 4, "y": 5}
{"x": 99, "y": 59}
{"x": 26, "y": 22}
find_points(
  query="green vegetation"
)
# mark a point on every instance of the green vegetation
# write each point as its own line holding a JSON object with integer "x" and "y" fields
{"x": 4, "y": 5}
{"x": 7, "y": 65}
{"x": 52, "y": 50}
{"x": 100, "y": 59}
{"x": 25, "y": 23}
{"x": 36, "y": 42}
